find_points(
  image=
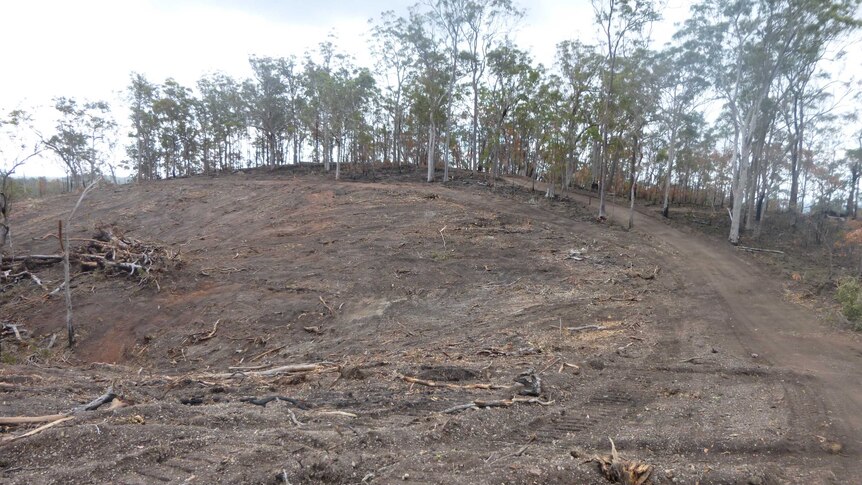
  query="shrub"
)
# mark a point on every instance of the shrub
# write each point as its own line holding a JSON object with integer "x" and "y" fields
{"x": 850, "y": 296}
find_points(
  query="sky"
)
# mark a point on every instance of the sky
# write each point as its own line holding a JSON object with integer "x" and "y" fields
{"x": 87, "y": 48}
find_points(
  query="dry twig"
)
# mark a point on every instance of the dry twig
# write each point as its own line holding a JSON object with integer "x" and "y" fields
{"x": 423, "y": 382}
{"x": 37, "y": 430}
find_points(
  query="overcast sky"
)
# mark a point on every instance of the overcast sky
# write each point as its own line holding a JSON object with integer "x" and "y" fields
{"x": 87, "y": 48}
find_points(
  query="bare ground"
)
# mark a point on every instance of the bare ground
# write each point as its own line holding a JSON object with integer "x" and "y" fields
{"x": 702, "y": 368}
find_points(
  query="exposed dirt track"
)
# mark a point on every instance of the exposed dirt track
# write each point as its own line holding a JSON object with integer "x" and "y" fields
{"x": 820, "y": 367}
{"x": 455, "y": 283}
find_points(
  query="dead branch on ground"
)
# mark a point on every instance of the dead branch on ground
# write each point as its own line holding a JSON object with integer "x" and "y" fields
{"x": 423, "y": 382}
{"x": 195, "y": 338}
{"x": 264, "y": 354}
{"x": 109, "y": 251}
{"x": 8, "y": 277}
{"x": 276, "y": 371}
{"x": 759, "y": 250}
{"x": 7, "y": 420}
{"x": 11, "y": 329}
{"x": 584, "y": 328}
{"x": 331, "y": 311}
{"x": 293, "y": 418}
{"x": 499, "y": 352}
{"x": 263, "y": 401}
{"x": 499, "y": 403}
{"x": 336, "y": 413}
{"x": 35, "y": 431}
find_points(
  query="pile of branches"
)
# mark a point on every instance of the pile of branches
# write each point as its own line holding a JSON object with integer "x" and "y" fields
{"x": 109, "y": 251}
{"x": 115, "y": 253}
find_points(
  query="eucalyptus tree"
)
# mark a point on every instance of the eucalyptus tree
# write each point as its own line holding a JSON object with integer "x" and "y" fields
{"x": 294, "y": 103}
{"x": 744, "y": 46}
{"x": 512, "y": 79}
{"x": 804, "y": 78}
{"x": 427, "y": 90}
{"x": 484, "y": 23}
{"x": 266, "y": 95}
{"x": 682, "y": 89}
{"x": 143, "y": 151}
{"x": 351, "y": 90}
{"x": 15, "y": 150}
{"x": 82, "y": 137}
{"x": 221, "y": 112}
{"x": 450, "y": 17}
{"x": 177, "y": 128}
{"x": 622, "y": 23}
{"x": 318, "y": 90}
{"x": 395, "y": 58}
{"x": 636, "y": 107}
{"x": 580, "y": 67}
{"x": 541, "y": 122}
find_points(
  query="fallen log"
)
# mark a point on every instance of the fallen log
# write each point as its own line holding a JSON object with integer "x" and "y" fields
{"x": 6, "y": 327}
{"x": 423, "y": 382}
{"x": 5, "y": 420}
{"x": 285, "y": 369}
{"x": 52, "y": 258}
{"x": 95, "y": 404}
{"x": 759, "y": 250}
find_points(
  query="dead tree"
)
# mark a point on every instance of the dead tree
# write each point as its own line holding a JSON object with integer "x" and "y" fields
{"x": 69, "y": 325}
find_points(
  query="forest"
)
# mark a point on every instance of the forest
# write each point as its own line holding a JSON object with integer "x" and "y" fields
{"x": 742, "y": 109}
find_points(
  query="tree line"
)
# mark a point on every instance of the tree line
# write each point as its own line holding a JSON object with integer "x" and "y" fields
{"x": 738, "y": 111}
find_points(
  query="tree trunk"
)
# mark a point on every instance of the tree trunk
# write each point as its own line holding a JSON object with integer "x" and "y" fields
{"x": 474, "y": 135}
{"x": 338, "y": 160}
{"x": 796, "y": 147}
{"x": 851, "y": 195}
{"x": 632, "y": 184}
{"x": 671, "y": 153}
{"x": 449, "y": 96}
{"x": 431, "y": 143}
{"x": 742, "y": 182}
{"x": 751, "y": 190}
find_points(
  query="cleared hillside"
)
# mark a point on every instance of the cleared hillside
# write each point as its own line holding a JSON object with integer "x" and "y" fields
{"x": 407, "y": 300}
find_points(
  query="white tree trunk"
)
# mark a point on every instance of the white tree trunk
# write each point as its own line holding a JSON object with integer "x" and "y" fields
{"x": 632, "y": 201}
{"x": 431, "y": 144}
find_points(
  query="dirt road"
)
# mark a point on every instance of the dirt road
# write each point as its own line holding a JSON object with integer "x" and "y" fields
{"x": 819, "y": 367}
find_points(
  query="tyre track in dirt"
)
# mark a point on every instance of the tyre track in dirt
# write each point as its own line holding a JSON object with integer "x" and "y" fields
{"x": 820, "y": 368}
